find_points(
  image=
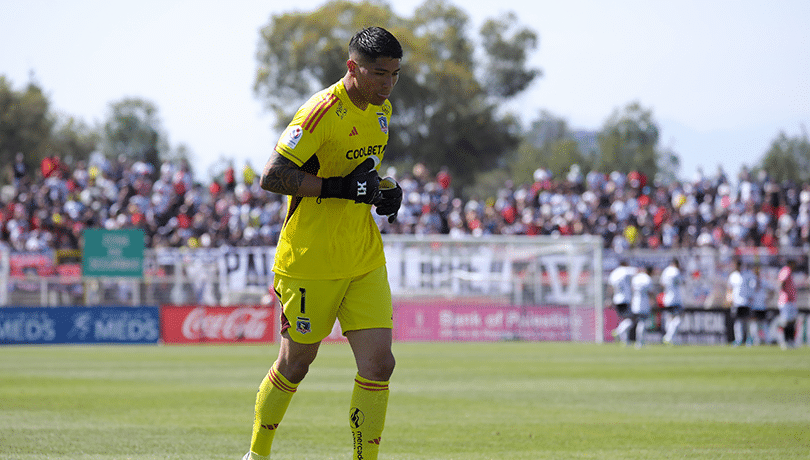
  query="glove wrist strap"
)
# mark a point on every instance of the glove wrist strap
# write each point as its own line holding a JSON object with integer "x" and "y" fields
{"x": 332, "y": 187}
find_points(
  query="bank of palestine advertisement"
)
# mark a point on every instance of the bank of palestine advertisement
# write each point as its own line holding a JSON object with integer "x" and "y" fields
{"x": 207, "y": 324}
{"x": 471, "y": 321}
{"x": 79, "y": 325}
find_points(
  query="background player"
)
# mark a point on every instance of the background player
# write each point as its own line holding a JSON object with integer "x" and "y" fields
{"x": 672, "y": 281}
{"x": 641, "y": 303}
{"x": 758, "y": 326}
{"x": 740, "y": 292}
{"x": 329, "y": 260}
{"x": 786, "y": 323}
{"x": 620, "y": 282}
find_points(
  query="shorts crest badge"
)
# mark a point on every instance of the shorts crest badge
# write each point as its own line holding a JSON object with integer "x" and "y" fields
{"x": 303, "y": 325}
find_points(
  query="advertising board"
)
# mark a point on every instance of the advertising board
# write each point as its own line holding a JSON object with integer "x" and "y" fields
{"x": 451, "y": 321}
{"x": 79, "y": 325}
{"x": 205, "y": 324}
{"x": 113, "y": 252}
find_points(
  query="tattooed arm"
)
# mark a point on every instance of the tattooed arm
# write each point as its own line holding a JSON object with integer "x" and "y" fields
{"x": 284, "y": 177}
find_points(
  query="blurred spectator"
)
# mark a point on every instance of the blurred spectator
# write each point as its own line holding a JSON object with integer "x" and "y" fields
{"x": 19, "y": 170}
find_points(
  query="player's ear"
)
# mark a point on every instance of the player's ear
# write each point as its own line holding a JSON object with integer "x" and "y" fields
{"x": 351, "y": 65}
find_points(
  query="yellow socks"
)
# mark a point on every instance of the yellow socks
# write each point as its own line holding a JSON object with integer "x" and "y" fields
{"x": 272, "y": 401}
{"x": 367, "y": 417}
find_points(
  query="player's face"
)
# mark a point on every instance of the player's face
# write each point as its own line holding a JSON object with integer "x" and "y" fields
{"x": 376, "y": 79}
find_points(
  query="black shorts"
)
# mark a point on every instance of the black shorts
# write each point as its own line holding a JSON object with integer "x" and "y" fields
{"x": 639, "y": 317}
{"x": 741, "y": 312}
{"x": 622, "y": 309}
{"x": 673, "y": 309}
{"x": 760, "y": 315}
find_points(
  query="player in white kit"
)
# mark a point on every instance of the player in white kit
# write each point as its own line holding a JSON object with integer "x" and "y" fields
{"x": 672, "y": 281}
{"x": 620, "y": 281}
{"x": 641, "y": 303}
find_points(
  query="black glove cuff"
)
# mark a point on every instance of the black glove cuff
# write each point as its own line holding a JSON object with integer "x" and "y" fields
{"x": 332, "y": 187}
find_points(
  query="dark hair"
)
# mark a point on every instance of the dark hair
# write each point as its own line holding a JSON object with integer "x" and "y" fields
{"x": 373, "y": 42}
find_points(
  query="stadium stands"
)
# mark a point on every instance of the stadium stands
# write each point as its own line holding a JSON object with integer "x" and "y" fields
{"x": 49, "y": 207}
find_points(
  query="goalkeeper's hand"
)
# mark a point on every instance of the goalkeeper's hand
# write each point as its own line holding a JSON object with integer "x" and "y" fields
{"x": 361, "y": 185}
{"x": 390, "y": 199}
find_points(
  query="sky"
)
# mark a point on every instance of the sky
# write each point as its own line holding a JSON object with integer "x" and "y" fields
{"x": 722, "y": 78}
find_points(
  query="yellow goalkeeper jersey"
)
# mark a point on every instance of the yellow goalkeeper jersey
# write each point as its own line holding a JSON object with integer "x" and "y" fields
{"x": 331, "y": 238}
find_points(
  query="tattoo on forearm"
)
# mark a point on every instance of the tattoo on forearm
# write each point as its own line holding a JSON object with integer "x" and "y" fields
{"x": 282, "y": 176}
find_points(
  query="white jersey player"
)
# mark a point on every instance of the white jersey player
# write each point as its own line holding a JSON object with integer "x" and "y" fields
{"x": 641, "y": 304}
{"x": 620, "y": 282}
{"x": 672, "y": 281}
{"x": 740, "y": 293}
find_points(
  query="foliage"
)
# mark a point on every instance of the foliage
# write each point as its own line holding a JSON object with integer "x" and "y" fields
{"x": 28, "y": 125}
{"x": 25, "y": 124}
{"x": 444, "y": 116}
{"x": 549, "y": 144}
{"x": 488, "y": 183}
{"x": 73, "y": 139}
{"x": 788, "y": 158}
{"x": 133, "y": 130}
{"x": 506, "y": 71}
{"x": 669, "y": 166}
{"x": 628, "y": 141}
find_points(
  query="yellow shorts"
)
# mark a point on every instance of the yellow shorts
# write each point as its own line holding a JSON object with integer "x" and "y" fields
{"x": 310, "y": 307}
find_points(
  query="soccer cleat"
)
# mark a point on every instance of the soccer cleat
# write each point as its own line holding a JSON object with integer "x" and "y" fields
{"x": 254, "y": 457}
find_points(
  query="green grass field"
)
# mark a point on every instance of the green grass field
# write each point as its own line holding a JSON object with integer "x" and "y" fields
{"x": 464, "y": 401}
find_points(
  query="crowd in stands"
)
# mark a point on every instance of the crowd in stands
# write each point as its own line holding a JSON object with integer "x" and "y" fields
{"x": 49, "y": 207}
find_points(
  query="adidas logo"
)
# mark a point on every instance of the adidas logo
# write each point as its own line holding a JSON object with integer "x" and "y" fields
{"x": 354, "y": 132}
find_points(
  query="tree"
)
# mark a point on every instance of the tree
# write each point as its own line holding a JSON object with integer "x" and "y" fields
{"x": 28, "y": 125}
{"x": 443, "y": 114}
{"x": 788, "y": 158}
{"x": 73, "y": 140}
{"x": 25, "y": 124}
{"x": 669, "y": 167}
{"x": 133, "y": 130}
{"x": 548, "y": 144}
{"x": 507, "y": 74}
{"x": 628, "y": 141}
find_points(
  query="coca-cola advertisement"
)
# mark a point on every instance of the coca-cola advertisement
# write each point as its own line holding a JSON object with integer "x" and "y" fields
{"x": 202, "y": 324}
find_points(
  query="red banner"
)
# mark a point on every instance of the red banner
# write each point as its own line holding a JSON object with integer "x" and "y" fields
{"x": 22, "y": 264}
{"x": 202, "y": 324}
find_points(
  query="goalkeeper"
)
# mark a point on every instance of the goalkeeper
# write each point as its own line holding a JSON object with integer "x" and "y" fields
{"x": 329, "y": 263}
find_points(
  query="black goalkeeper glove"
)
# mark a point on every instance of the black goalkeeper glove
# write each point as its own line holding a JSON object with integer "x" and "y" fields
{"x": 361, "y": 185}
{"x": 390, "y": 199}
